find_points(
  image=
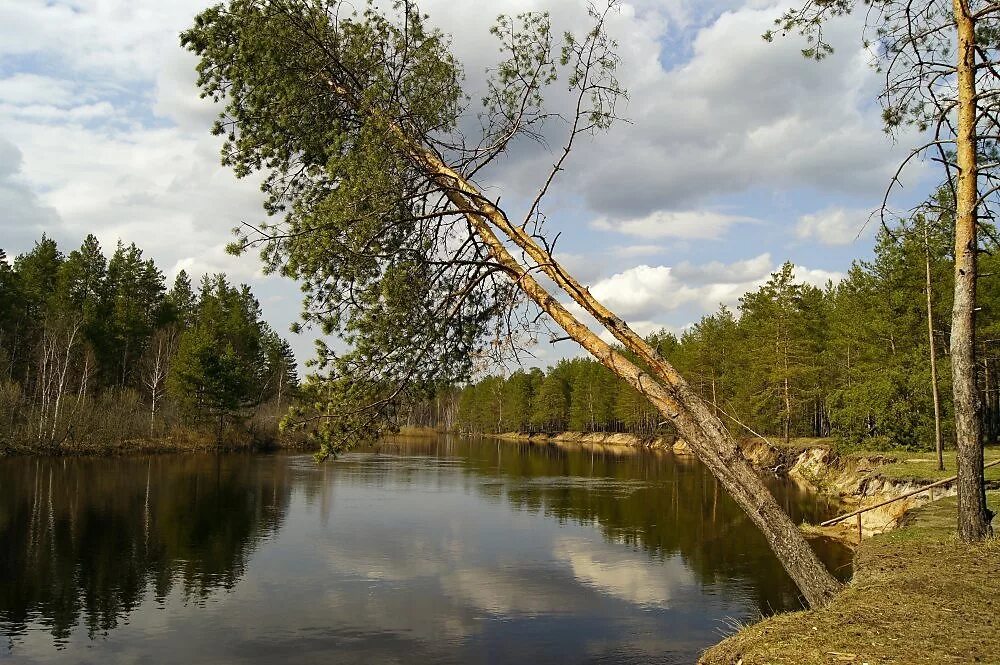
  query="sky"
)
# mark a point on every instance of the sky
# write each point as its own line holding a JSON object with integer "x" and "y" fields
{"x": 737, "y": 155}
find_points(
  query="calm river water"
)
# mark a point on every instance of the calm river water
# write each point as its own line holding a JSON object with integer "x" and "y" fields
{"x": 433, "y": 551}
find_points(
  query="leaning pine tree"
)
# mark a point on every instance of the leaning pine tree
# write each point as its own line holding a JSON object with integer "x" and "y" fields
{"x": 356, "y": 120}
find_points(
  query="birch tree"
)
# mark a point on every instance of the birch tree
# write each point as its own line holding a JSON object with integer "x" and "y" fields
{"x": 354, "y": 120}
{"x": 939, "y": 59}
{"x": 156, "y": 368}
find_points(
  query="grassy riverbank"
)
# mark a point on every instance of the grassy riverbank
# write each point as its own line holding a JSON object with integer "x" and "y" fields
{"x": 894, "y": 465}
{"x": 918, "y": 596}
{"x": 921, "y": 467}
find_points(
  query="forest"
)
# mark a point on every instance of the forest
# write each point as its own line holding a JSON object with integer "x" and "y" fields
{"x": 97, "y": 353}
{"x": 851, "y": 360}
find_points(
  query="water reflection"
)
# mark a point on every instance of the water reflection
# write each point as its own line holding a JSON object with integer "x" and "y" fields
{"x": 419, "y": 551}
{"x": 84, "y": 540}
{"x": 662, "y": 503}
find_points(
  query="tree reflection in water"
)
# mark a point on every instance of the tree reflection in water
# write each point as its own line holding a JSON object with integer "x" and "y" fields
{"x": 86, "y": 539}
{"x": 663, "y": 503}
{"x": 442, "y": 549}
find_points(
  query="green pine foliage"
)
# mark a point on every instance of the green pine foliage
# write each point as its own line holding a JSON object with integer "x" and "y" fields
{"x": 96, "y": 352}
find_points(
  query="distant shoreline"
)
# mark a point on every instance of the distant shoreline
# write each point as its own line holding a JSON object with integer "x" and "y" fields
{"x": 193, "y": 442}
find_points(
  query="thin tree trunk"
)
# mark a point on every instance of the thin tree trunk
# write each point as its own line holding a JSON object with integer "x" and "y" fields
{"x": 152, "y": 415}
{"x": 788, "y": 410}
{"x": 281, "y": 385}
{"x": 938, "y": 445}
{"x": 715, "y": 404}
{"x": 973, "y": 521}
{"x": 62, "y": 379}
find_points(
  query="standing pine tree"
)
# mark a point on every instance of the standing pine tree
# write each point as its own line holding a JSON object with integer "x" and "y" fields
{"x": 781, "y": 360}
{"x": 939, "y": 62}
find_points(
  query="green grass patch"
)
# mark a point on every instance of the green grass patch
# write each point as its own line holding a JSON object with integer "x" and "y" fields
{"x": 918, "y": 596}
{"x": 920, "y": 466}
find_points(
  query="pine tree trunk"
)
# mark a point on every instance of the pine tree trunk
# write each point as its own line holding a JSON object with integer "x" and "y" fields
{"x": 715, "y": 403}
{"x": 788, "y": 411}
{"x": 973, "y": 522}
{"x": 673, "y": 398}
{"x": 665, "y": 389}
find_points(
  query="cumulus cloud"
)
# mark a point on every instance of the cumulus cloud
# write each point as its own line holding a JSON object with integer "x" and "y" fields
{"x": 107, "y": 43}
{"x": 24, "y": 217}
{"x": 833, "y": 226}
{"x": 632, "y": 251}
{"x": 738, "y": 115}
{"x": 746, "y": 270}
{"x": 27, "y": 89}
{"x": 121, "y": 152}
{"x": 817, "y": 277}
{"x": 84, "y": 122}
{"x": 719, "y": 112}
{"x": 110, "y": 136}
{"x": 690, "y": 224}
{"x": 645, "y": 295}
{"x": 641, "y": 291}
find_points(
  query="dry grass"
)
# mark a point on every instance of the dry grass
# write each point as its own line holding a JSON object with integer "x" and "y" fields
{"x": 918, "y": 596}
{"x": 898, "y": 464}
{"x": 923, "y": 466}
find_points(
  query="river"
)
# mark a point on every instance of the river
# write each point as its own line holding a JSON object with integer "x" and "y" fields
{"x": 445, "y": 550}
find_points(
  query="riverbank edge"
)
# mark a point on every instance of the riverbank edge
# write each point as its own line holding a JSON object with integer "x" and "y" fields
{"x": 191, "y": 443}
{"x": 854, "y": 479}
{"x": 908, "y": 566}
{"x": 918, "y": 595}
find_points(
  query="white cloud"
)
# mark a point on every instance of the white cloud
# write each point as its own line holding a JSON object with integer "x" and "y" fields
{"x": 640, "y": 291}
{"x": 26, "y": 89}
{"x": 746, "y": 270}
{"x": 834, "y": 226}
{"x": 633, "y": 251}
{"x": 713, "y": 109}
{"x": 50, "y": 113}
{"x": 115, "y": 41}
{"x": 698, "y": 224}
{"x": 817, "y": 277}
{"x": 645, "y": 295}
{"x": 739, "y": 115}
{"x": 24, "y": 216}
{"x": 621, "y": 574}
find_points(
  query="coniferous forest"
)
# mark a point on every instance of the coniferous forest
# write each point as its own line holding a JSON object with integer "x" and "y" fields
{"x": 98, "y": 352}
{"x": 850, "y": 360}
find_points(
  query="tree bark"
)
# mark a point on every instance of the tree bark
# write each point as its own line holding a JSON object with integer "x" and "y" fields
{"x": 935, "y": 394}
{"x": 973, "y": 520}
{"x": 673, "y": 398}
